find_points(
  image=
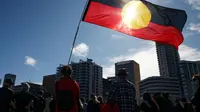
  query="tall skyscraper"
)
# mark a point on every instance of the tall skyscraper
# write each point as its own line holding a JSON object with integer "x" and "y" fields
{"x": 133, "y": 68}
{"x": 89, "y": 76}
{"x": 10, "y": 76}
{"x": 168, "y": 60}
{"x": 188, "y": 69}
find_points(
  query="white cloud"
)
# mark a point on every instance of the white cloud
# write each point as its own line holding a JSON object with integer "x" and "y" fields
{"x": 81, "y": 50}
{"x": 194, "y": 27}
{"x": 117, "y": 36}
{"x": 108, "y": 70}
{"x": 30, "y": 61}
{"x": 147, "y": 58}
{"x": 188, "y": 34}
{"x": 189, "y": 53}
{"x": 194, "y": 3}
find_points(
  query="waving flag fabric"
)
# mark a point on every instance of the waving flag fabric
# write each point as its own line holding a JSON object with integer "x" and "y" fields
{"x": 138, "y": 18}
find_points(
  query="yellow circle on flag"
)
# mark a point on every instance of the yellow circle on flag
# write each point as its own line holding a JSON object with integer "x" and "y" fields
{"x": 136, "y": 15}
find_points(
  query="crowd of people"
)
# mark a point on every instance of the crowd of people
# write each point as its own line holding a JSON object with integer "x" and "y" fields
{"x": 66, "y": 98}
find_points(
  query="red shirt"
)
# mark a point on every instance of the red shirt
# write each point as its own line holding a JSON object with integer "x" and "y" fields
{"x": 108, "y": 108}
{"x": 69, "y": 84}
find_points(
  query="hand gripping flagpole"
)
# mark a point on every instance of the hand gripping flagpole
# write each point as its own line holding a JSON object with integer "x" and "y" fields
{"x": 75, "y": 36}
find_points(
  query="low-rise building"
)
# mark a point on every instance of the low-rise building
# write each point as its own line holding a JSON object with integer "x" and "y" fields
{"x": 161, "y": 84}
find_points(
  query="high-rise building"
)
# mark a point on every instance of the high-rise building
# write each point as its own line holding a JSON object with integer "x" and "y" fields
{"x": 188, "y": 69}
{"x": 10, "y": 76}
{"x": 161, "y": 84}
{"x": 48, "y": 83}
{"x": 89, "y": 76}
{"x": 168, "y": 60}
{"x": 133, "y": 68}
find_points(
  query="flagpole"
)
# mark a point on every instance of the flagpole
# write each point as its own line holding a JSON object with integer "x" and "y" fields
{"x": 77, "y": 30}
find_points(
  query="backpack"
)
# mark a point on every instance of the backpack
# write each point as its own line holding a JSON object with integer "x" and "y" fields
{"x": 65, "y": 101}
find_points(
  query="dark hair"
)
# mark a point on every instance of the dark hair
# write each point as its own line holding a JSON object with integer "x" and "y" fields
{"x": 147, "y": 96}
{"x": 166, "y": 95}
{"x": 92, "y": 95}
{"x": 183, "y": 99}
{"x": 41, "y": 92}
{"x": 100, "y": 99}
{"x": 82, "y": 100}
{"x": 66, "y": 70}
{"x": 157, "y": 94}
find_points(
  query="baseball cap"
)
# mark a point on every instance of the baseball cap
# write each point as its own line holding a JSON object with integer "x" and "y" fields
{"x": 122, "y": 71}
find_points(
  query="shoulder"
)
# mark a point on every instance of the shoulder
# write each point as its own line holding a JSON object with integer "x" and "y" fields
{"x": 115, "y": 83}
{"x": 11, "y": 91}
{"x": 130, "y": 84}
{"x": 75, "y": 83}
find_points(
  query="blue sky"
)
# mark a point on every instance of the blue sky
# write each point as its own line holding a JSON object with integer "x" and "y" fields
{"x": 36, "y": 36}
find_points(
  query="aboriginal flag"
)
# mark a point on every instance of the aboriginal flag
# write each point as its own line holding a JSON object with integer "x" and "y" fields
{"x": 138, "y": 18}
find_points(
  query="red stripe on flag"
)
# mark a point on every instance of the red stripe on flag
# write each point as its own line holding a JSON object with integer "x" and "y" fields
{"x": 110, "y": 17}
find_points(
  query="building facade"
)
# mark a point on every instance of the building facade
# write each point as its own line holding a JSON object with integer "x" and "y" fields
{"x": 188, "y": 70}
{"x": 10, "y": 76}
{"x": 161, "y": 84}
{"x": 89, "y": 76}
{"x": 48, "y": 83}
{"x": 133, "y": 68}
{"x": 168, "y": 60}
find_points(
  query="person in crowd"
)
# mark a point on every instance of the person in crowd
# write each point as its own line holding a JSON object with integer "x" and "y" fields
{"x": 137, "y": 107}
{"x": 67, "y": 92}
{"x": 40, "y": 103}
{"x": 148, "y": 104}
{"x": 24, "y": 99}
{"x": 84, "y": 105}
{"x": 123, "y": 92}
{"x": 93, "y": 104}
{"x": 168, "y": 103}
{"x": 48, "y": 99}
{"x": 7, "y": 97}
{"x": 160, "y": 101}
{"x": 187, "y": 105}
{"x": 111, "y": 106}
{"x": 179, "y": 107}
{"x": 52, "y": 105}
{"x": 196, "y": 98}
{"x": 100, "y": 99}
